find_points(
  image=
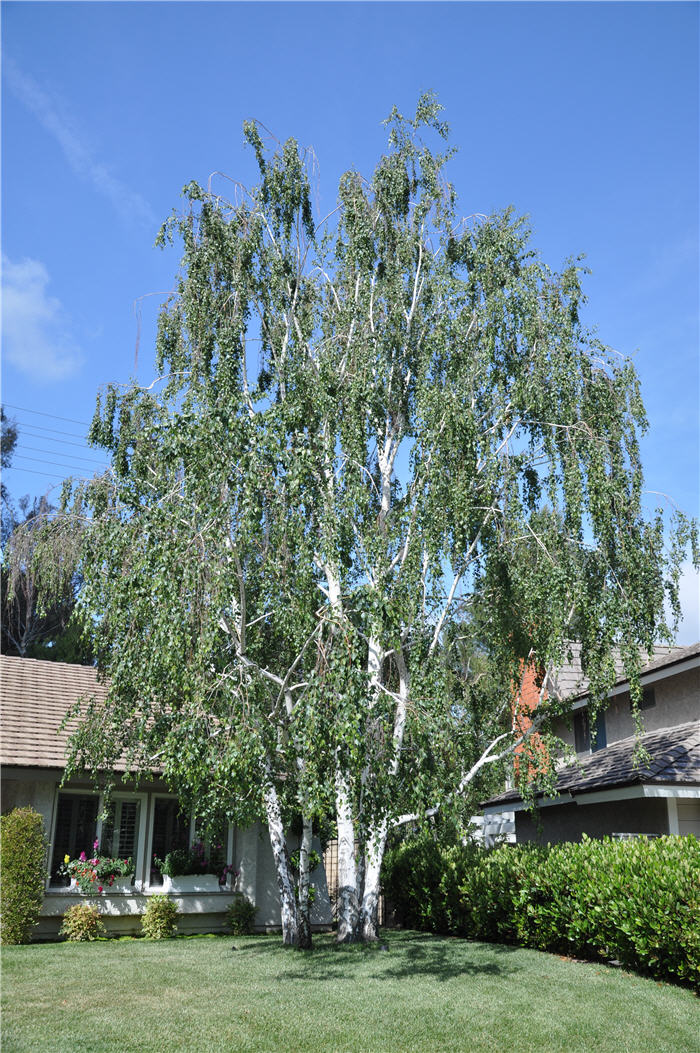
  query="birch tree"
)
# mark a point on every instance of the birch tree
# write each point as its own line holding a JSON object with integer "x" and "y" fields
{"x": 374, "y": 436}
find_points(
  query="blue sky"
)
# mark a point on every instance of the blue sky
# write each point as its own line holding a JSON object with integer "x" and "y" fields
{"x": 582, "y": 115}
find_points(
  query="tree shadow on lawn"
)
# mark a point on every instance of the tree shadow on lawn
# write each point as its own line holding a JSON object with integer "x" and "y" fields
{"x": 417, "y": 955}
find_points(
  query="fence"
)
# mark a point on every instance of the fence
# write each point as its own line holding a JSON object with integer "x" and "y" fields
{"x": 330, "y": 862}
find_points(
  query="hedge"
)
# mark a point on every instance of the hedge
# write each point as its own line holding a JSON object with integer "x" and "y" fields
{"x": 636, "y": 902}
{"x": 23, "y": 857}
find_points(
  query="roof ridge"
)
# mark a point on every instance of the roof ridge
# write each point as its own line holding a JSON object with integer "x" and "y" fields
{"x": 45, "y": 661}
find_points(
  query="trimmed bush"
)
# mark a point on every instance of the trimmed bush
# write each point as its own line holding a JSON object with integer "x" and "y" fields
{"x": 82, "y": 923}
{"x": 412, "y": 874}
{"x": 637, "y": 902}
{"x": 241, "y": 915}
{"x": 23, "y": 853}
{"x": 158, "y": 921}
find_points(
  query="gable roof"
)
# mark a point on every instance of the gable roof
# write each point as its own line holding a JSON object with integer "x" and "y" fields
{"x": 36, "y": 696}
{"x": 674, "y": 760}
{"x": 569, "y": 681}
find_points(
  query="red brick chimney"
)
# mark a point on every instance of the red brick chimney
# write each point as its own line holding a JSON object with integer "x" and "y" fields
{"x": 526, "y": 698}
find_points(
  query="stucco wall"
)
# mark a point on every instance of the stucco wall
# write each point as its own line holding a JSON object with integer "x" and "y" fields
{"x": 265, "y": 896}
{"x": 121, "y": 914}
{"x": 36, "y": 790}
{"x": 567, "y": 822}
{"x": 677, "y": 702}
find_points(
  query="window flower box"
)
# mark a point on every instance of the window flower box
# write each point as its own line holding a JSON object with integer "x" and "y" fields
{"x": 98, "y": 874}
{"x": 195, "y": 869}
{"x": 120, "y": 884}
{"x": 191, "y": 883}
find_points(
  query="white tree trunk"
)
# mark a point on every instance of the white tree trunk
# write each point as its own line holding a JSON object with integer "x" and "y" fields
{"x": 304, "y": 885}
{"x": 370, "y": 897}
{"x": 285, "y": 885}
{"x": 376, "y": 841}
{"x": 348, "y": 900}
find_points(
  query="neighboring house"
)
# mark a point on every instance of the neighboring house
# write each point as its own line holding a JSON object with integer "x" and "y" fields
{"x": 145, "y": 820}
{"x": 622, "y": 784}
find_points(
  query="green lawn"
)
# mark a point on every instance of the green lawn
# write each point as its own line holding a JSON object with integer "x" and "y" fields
{"x": 410, "y": 992}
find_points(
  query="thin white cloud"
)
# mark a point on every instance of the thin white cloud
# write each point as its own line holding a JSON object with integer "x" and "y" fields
{"x": 689, "y": 628}
{"x": 130, "y": 205}
{"x": 35, "y": 332}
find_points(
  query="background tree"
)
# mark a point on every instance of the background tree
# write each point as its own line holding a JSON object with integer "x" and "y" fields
{"x": 379, "y": 444}
{"x": 33, "y": 626}
{"x": 36, "y": 623}
{"x": 8, "y": 441}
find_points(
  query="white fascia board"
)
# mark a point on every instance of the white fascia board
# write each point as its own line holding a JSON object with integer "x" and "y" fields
{"x": 625, "y": 793}
{"x": 622, "y": 793}
{"x": 520, "y": 806}
{"x": 672, "y": 791}
{"x": 646, "y": 679}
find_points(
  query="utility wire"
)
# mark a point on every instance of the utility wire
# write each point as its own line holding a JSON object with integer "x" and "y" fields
{"x": 33, "y": 471}
{"x": 40, "y": 413}
{"x": 63, "y": 453}
{"x": 22, "y": 424}
{"x": 50, "y": 438}
{"x": 42, "y": 460}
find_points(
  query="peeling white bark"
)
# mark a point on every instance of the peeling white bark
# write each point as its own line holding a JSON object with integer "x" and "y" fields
{"x": 370, "y": 897}
{"x": 376, "y": 842}
{"x": 285, "y": 885}
{"x": 348, "y": 902}
{"x": 304, "y": 884}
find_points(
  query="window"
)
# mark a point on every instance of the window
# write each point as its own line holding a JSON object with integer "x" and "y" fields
{"x": 120, "y": 830}
{"x": 79, "y": 824}
{"x": 76, "y": 830}
{"x": 123, "y": 831}
{"x": 584, "y": 741}
{"x": 648, "y": 700}
{"x": 600, "y": 738}
{"x": 582, "y": 731}
{"x": 171, "y": 829}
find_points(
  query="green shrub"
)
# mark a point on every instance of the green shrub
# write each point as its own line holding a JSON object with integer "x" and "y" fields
{"x": 23, "y": 852}
{"x": 158, "y": 921}
{"x": 637, "y": 902}
{"x": 411, "y": 880}
{"x": 241, "y": 915}
{"x": 82, "y": 922}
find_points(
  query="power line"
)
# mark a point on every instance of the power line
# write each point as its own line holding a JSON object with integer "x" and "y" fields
{"x": 42, "y": 460}
{"x": 33, "y": 471}
{"x": 40, "y": 413}
{"x": 49, "y": 438}
{"x": 62, "y": 453}
{"x": 21, "y": 424}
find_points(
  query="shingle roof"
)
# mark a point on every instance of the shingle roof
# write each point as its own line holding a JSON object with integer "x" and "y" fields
{"x": 569, "y": 681}
{"x": 35, "y": 698}
{"x": 674, "y": 760}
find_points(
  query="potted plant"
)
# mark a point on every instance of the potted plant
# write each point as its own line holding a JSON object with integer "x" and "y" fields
{"x": 195, "y": 869}
{"x": 98, "y": 874}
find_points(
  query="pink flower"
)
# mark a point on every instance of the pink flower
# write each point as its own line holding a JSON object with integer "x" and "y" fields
{"x": 95, "y": 845}
{"x": 99, "y": 888}
{"x": 82, "y": 857}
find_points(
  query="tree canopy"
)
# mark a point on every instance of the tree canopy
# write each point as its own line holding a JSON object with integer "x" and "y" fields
{"x": 383, "y": 467}
{"x": 32, "y": 626}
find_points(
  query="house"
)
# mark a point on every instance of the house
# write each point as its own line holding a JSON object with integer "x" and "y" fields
{"x": 144, "y": 821}
{"x": 622, "y": 784}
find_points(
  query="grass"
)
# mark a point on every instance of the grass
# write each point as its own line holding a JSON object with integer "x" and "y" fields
{"x": 410, "y": 992}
